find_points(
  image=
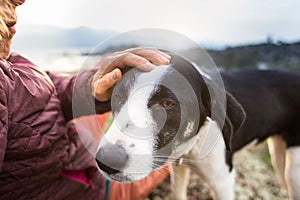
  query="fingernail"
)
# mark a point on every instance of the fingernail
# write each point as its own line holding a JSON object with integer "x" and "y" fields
{"x": 168, "y": 56}
{"x": 165, "y": 60}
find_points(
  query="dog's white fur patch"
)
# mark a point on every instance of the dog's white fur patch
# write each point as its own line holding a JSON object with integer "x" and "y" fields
{"x": 198, "y": 139}
{"x": 139, "y": 149}
{"x": 189, "y": 129}
{"x": 139, "y": 95}
{"x": 138, "y": 112}
{"x": 213, "y": 167}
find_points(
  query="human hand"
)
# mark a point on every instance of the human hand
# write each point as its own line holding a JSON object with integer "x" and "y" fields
{"x": 110, "y": 73}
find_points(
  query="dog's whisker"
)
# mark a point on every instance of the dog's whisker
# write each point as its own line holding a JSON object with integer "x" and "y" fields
{"x": 174, "y": 159}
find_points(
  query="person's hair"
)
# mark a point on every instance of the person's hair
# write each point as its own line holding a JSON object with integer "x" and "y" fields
{"x": 7, "y": 14}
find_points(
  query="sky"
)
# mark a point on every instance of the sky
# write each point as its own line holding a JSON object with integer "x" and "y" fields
{"x": 206, "y": 21}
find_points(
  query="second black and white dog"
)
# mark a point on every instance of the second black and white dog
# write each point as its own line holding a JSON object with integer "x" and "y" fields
{"x": 157, "y": 118}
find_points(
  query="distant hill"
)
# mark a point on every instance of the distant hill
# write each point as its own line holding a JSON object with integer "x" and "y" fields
{"x": 36, "y": 37}
{"x": 284, "y": 56}
{"x": 280, "y": 55}
{"x": 45, "y": 37}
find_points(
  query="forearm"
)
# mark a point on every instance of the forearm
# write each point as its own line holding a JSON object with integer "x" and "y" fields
{"x": 76, "y": 97}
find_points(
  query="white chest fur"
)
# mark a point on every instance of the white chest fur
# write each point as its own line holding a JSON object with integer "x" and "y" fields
{"x": 207, "y": 159}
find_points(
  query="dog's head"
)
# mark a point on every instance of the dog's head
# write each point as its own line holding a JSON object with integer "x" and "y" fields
{"x": 157, "y": 116}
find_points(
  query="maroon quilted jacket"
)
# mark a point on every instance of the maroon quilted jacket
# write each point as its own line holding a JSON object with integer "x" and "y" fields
{"x": 34, "y": 144}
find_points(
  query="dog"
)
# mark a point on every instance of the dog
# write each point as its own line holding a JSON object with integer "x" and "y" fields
{"x": 166, "y": 114}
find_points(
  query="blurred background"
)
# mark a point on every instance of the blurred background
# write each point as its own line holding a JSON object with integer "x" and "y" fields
{"x": 57, "y": 35}
{"x": 264, "y": 34}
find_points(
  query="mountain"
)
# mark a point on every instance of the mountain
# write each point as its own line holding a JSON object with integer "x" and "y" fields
{"x": 267, "y": 55}
{"x": 45, "y": 37}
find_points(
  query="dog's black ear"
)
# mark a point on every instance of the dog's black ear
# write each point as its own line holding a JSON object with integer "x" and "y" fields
{"x": 234, "y": 119}
{"x": 223, "y": 108}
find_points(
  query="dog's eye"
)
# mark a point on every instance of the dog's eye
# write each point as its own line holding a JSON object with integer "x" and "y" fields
{"x": 168, "y": 104}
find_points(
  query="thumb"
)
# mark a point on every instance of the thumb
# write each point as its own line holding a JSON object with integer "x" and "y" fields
{"x": 102, "y": 87}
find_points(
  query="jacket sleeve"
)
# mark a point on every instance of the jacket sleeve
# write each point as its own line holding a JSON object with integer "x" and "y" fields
{"x": 75, "y": 95}
{"x": 3, "y": 122}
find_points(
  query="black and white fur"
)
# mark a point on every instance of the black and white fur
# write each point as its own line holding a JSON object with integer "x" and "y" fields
{"x": 259, "y": 105}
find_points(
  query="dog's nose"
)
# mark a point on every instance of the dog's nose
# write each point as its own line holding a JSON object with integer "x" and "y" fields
{"x": 112, "y": 158}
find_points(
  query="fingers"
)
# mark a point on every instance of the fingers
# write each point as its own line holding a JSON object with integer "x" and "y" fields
{"x": 102, "y": 87}
{"x": 151, "y": 54}
{"x": 145, "y": 59}
{"x": 133, "y": 60}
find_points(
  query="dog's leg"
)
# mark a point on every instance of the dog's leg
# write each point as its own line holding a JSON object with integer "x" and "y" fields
{"x": 213, "y": 168}
{"x": 277, "y": 149}
{"x": 179, "y": 180}
{"x": 216, "y": 172}
{"x": 292, "y": 172}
